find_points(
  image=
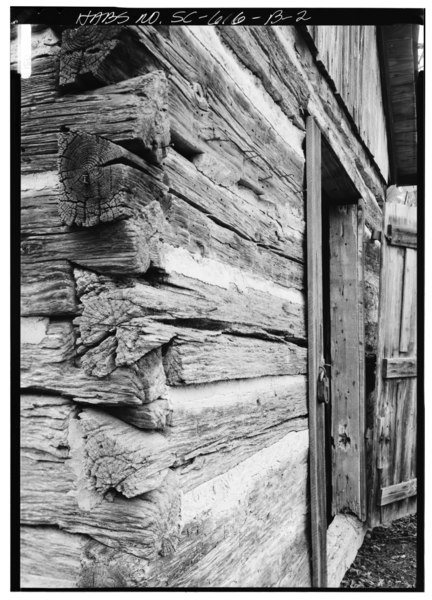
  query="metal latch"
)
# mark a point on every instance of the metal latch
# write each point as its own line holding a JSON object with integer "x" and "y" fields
{"x": 323, "y": 387}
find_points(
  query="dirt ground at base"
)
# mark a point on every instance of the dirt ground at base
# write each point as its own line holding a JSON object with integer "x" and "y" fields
{"x": 387, "y": 558}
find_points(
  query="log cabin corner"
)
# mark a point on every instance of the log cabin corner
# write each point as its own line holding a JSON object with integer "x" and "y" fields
{"x": 218, "y": 302}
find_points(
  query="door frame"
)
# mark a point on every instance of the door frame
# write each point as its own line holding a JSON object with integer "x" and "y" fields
{"x": 328, "y": 174}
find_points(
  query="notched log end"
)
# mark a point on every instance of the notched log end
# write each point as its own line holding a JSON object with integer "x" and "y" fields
{"x": 93, "y": 191}
{"x": 92, "y": 56}
{"x": 119, "y": 457}
{"x": 84, "y": 52}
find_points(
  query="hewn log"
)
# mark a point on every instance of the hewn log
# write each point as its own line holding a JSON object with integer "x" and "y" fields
{"x": 93, "y": 56}
{"x": 141, "y": 317}
{"x": 123, "y": 387}
{"x": 120, "y": 457}
{"x": 274, "y": 225}
{"x": 48, "y": 290}
{"x": 48, "y": 364}
{"x": 155, "y": 415}
{"x": 145, "y": 526}
{"x": 104, "y": 567}
{"x": 290, "y": 93}
{"x": 132, "y": 115}
{"x": 237, "y": 408}
{"x": 215, "y": 426}
{"x": 101, "y": 182}
{"x": 195, "y": 357}
{"x": 45, "y": 342}
{"x": 44, "y": 426}
{"x": 201, "y": 122}
{"x": 257, "y": 142}
{"x": 209, "y": 464}
{"x": 50, "y": 558}
{"x": 212, "y": 427}
{"x": 40, "y": 193}
{"x": 120, "y": 247}
{"x": 176, "y": 222}
{"x": 111, "y": 454}
{"x": 238, "y": 525}
{"x": 42, "y": 86}
{"x": 190, "y": 229}
{"x": 69, "y": 464}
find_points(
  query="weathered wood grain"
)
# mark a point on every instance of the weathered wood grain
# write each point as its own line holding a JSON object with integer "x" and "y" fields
{"x": 246, "y": 527}
{"x": 408, "y": 326}
{"x": 398, "y": 491}
{"x": 290, "y": 54}
{"x": 347, "y": 369}
{"x": 350, "y": 56}
{"x": 239, "y": 408}
{"x": 48, "y": 364}
{"x": 44, "y": 426}
{"x": 132, "y": 115}
{"x": 101, "y": 182}
{"x": 259, "y": 138}
{"x": 39, "y": 203}
{"x": 345, "y": 536}
{"x": 324, "y": 107}
{"x": 68, "y": 464}
{"x": 141, "y": 317}
{"x": 196, "y": 358}
{"x": 273, "y": 224}
{"x": 119, "y": 247}
{"x": 251, "y": 46}
{"x": 48, "y": 290}
{"x": 190, "y": 229}
{"x": 204, "y": 467}
{"x": 395, "y": 414}
{"x": 315, "y": 336}
{"x": 93, "y": 56}
{"x": 145, "y": 526}
{"x": 50, "y": 558}
{"x": 122, "y": 387}
{"x": 120, "y": 457}
{"x": 371, "y": 292}
{"x": 214, "y": 426}
{"x": 399, "y": 367}
{"x": 121, "y": 191}
{"x": 201, "y": 121}
{"x": 42, "y": 86}
{"x": 155, "y": 415}
{"x": 45, "y": 342}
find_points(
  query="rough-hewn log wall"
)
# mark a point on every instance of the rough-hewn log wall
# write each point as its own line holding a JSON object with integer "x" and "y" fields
{"x": 164, "y": 409}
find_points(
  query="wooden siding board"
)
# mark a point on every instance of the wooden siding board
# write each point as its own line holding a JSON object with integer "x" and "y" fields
{"x": 350, "y": 56}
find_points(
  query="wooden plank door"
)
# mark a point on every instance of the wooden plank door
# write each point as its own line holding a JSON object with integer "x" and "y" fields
{"x": 317, "y": 468}
{"x": 394, "y": 483}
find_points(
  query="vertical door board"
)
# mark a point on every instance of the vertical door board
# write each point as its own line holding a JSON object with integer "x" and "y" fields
{"x": 347, "y": 360}
{"x": 315, "y": 355}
